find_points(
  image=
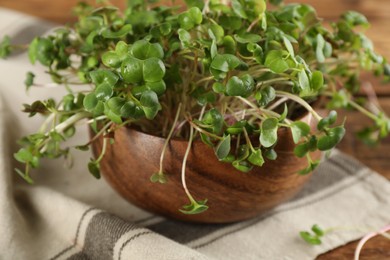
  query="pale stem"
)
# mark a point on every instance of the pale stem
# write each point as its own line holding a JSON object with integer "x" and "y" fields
{"x": 206, "y": 7}
{"x": 277, "y": 103}
{"x": 183, "y": 166}
{"x": 246, "y": 101}
{"x": 270, "y": 81}
{"x": 70, "y": 121}
{"x": 299, "y": 101}
{"x": 67, "y": 123}
{"x": 169, "y": 138}
{"x": 104, "y": 147}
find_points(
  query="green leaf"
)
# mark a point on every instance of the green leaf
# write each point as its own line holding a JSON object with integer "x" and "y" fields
{"x": 131, "y": 110}
{"x": 23, "y": 156}
{"x": 25, "y": 176}
{"x": 185, "y": 37}
{"x": 237, "y": 128}
{"x": 32, "y": 50}
{"x": 153, "y": 70}
{"x": 158, "y": 178}
{"x": 317, "y": 80}
{"x": 225, "y": 62}
{"x": 94, "y": 169}
{"x": 247, "y": 38}
{"x": 269, "y": 129}
{"x": 271, "y": 154}
{"x": 206, "y": 139}
{"x": 309, "y": 238}
{"x": 104, "y": 91}
{"x": 5, "y": 47}
{"x": 109, "y": 34}
{"x": 218, "y": 88}
{"x": 29, "y": 80}
{"x": 320, "y": 48}
{"x": 276, "y": 62}
{"x": 288, "y": 46}
{"x": 312, "y": 166}
{"x": 240, "y": 86}
{"x": 216, "y": 32}
{"x": 159, "y": 87}
{"x": 239, "y": 9}
{"x": 304, "y": 83}
{"x": 301, "y": 150}
{"x": 195, "y": 207}
{"x": 104, "y": 76}
{"x": 229, "y": 45}
{"x": 284, "y": 114}
{"x": 111, "y": 59}
{"x": 213, "y": 49}
{"x": 203, "y": 96}
{"x": 45, "y": 51}
{"x": 327, "y": 121}
{"x": 195, "y": 14}
{"x": 256, "y": 158}
{"x": 214, "y": 120}
{"x": 355, "y": 19}
{"x": 195, "y": 3}
{"x": 115, "y": 104}
{"x": 265, "y": 96}
{"x": 340, "y": 99}
{"x": 299, "y": 129}
{"x": 132, "y": 70}
{"x": 150, "y": 104}
{"x": 317, "y": 230}
{"x": 223, "y": 148}
{"x": 143, "y": 50}
{"x": 333, "y": 137}
{"x": 190, "y": 18}
{"x": 242, "y": 166}
{"x": 90, "y": 102}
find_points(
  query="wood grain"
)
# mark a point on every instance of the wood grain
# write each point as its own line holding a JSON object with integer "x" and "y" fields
{"x": 232, "y": 195}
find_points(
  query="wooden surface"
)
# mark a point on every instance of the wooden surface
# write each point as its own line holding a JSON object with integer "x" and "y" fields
{"x": 378, "y": 12}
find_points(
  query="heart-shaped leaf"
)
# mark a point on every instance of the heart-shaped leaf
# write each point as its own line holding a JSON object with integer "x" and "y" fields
{"x": 269, "y": 129}
{"x": 132, "y": 70}
{"x": 276, "y": 62}
{"x": 327, "y": 121}
{"x": 104, "y": 76}
{"x": 143, "y": 50}
{"x": 223, "y": 148}
{"x": 299, "y": 129}
{"x": 196, "y": 207}
{"x": 153, "y": 70}
{"x": 150, "y": 104}
{"x": 242, "y": 86}
{"x": 333, "y": 137}
{"x": 256, "y": 158}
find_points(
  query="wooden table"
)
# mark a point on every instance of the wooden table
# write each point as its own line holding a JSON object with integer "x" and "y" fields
{"x": 378, "y": 158}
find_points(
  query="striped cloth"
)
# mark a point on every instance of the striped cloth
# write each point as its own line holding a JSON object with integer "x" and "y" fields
{"x": 69, "y": 215}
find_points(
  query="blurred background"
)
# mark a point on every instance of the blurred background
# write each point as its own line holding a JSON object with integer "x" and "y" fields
{"x": 377, "y": 11}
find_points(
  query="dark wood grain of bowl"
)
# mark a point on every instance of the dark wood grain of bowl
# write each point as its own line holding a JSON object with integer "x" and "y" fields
{"x": 232, "y": 195}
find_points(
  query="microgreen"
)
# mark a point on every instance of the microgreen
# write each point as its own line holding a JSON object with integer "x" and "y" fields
{"x": 240, "y": 73}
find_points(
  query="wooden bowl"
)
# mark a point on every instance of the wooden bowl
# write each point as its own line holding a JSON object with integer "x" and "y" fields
{"x": 232, "y": 195}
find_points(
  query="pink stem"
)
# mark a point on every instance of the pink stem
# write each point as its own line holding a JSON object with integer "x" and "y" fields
{"x": 368, "y": 237}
